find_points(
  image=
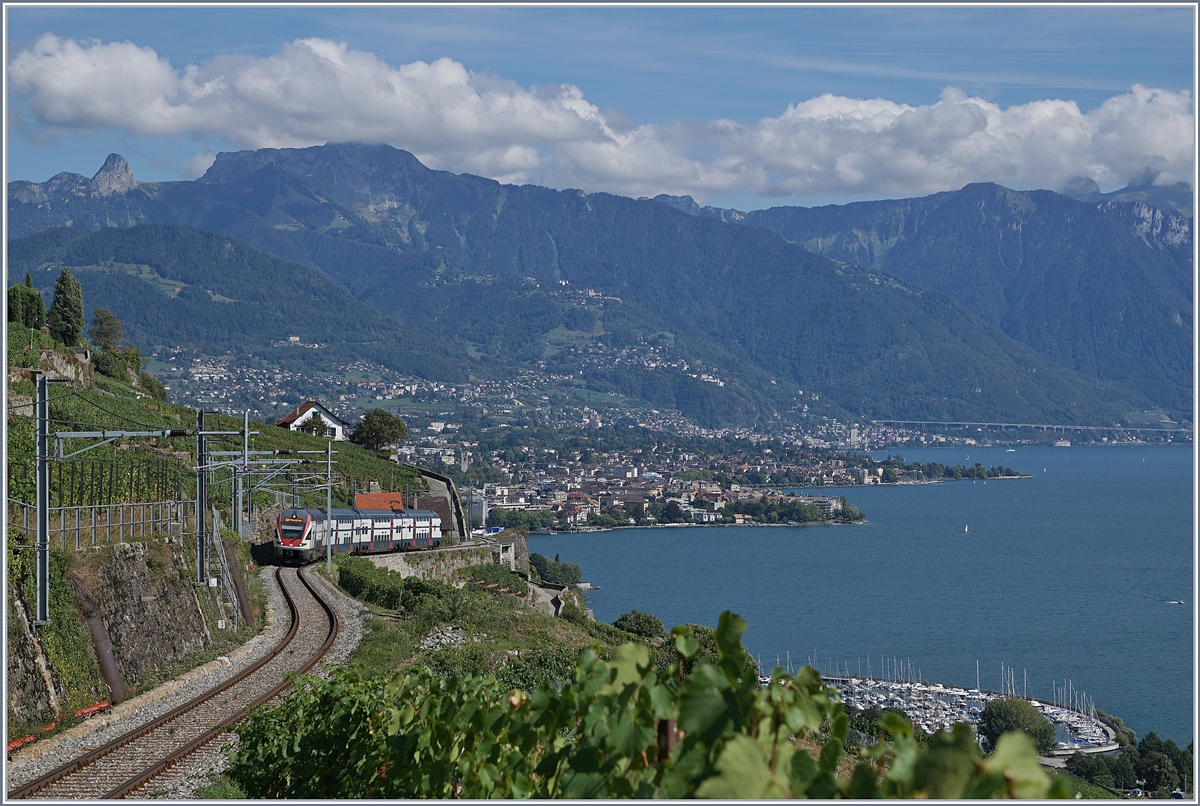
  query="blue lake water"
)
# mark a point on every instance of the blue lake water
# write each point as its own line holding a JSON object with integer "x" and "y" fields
{"x": 1068, "y": 575}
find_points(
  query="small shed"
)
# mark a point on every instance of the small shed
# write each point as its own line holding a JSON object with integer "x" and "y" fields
{"x": 298, "y": 416}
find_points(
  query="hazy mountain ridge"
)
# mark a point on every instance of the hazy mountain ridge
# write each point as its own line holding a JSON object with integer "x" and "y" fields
{"x": 178, "y": 287}
{"x": 501, "y": 270}
{"x": 1104, "y": 288}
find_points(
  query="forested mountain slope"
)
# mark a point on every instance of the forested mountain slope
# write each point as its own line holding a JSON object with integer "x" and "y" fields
{"x": 725, "y": 322}
{"x": 1103, "y": 288}
{"x": 177, "y": 287}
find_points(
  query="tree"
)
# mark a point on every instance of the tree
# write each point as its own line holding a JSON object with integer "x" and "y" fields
{"x": 1124, "y": 776}
{"x": 673, "y": 512}
{"x": 647, "y": 625}
{"x": 106, "y": 331}
{"x": 25, "y": 305}
{"x": 66, "y": 311}
{"x": 1013, "y": 713}
{"x": 1156, "y": 769}
{"x": 379, "y": 430}
{"x": 314, "y": 425}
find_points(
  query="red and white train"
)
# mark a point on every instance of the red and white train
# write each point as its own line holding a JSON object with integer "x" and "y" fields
{"x": 300, "y": 534}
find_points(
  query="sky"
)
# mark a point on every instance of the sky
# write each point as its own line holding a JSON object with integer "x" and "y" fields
{"x": 735, "y": 106}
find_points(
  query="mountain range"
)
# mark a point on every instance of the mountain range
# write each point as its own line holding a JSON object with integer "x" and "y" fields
{"x": 984, "y": 304}
{"x": 1102, "y": 288}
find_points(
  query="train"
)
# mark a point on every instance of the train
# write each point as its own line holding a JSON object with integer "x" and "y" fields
{"x": 300, "y": 534}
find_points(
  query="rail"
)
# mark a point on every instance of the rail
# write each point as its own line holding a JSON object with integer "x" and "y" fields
{"x": 165, "y": 724}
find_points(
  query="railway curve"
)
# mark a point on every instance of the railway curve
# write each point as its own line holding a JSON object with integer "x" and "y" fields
{"x": 130, "y": 762}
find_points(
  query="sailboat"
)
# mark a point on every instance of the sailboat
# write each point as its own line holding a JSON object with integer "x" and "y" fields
{"x": 967, "y": 529}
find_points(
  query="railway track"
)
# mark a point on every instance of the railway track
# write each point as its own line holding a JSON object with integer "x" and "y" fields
{"x": 131, "y": 761}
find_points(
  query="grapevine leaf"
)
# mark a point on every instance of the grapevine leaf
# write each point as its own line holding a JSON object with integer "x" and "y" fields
{"x": 742, "y": 772}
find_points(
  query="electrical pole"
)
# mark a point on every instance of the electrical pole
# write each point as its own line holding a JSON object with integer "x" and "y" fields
{"x": 243, "y": 493}
{"x": 42, "y": 545}
{"x": 329, "y": 508}
{"x": 201, "y": 496}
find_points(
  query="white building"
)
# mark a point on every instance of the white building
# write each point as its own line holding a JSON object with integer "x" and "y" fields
{"x": 298, "y": 416}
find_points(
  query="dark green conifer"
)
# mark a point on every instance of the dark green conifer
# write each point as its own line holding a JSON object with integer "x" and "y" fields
{"x": 66, "y": 311}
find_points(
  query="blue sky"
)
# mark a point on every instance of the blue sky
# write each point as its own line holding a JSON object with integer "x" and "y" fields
{"x": 739, "y": 107}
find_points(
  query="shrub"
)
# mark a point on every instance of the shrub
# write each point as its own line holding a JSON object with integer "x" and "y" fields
{"x": 1013, "y": 713}
{"x": 639, "y": 623}
{"x": 498, "y": 574}
{"x": 360, "y": 578}
{"x": 553, "y": 571}
{"x": 110, "y": 364}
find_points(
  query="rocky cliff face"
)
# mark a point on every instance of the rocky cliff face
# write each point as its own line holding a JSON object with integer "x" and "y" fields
{"x": 145, "y": 596}
{"x": 114, "y": 177}
{"x": 156, "y": 620}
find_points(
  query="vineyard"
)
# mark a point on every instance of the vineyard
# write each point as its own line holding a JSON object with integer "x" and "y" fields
{"x": 619, "y": 727}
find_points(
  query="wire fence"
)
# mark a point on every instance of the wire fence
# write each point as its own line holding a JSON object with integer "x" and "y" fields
{"x": 94, "y": 482}
{"x": 85, "y": 526}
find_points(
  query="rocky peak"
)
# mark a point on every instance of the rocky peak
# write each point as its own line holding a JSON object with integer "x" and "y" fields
{"x": 115, "y": 177}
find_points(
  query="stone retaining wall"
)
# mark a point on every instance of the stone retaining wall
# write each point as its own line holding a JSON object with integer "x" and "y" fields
{"x": 442, "y": 563}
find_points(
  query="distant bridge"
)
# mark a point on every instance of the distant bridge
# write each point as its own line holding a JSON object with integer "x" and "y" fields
{"x": 1039, "y": 426}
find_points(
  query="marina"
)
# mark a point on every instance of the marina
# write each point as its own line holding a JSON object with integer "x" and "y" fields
{"x": 935, "y": 707}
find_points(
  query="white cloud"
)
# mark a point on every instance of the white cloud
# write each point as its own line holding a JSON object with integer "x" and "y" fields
{"x": 314, "y": 91}
{"x": 198, "y": 164}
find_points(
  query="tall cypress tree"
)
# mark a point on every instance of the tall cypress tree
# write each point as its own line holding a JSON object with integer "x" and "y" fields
{"x": 25, "y": 305}
{"x": 66, "y": 312}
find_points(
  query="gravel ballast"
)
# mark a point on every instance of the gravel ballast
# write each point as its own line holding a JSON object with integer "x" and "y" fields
{"x": 181, "y": 781}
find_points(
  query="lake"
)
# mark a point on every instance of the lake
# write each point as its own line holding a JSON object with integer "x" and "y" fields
{"x": 1073, "y": 574}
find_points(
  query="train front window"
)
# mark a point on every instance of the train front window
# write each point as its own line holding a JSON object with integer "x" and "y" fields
{"x": 290, "y": 531}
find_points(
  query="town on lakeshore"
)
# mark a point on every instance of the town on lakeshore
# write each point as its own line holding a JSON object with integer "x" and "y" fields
{"x": 431, "y": 401}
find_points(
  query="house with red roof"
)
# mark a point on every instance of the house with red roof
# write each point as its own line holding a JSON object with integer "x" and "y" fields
{"x": 298, "y": 416}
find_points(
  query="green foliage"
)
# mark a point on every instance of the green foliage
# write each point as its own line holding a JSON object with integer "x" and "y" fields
{"x": 495, "y": 574}
{"x": 152, "y": 385}
{"x": 379, "y": 429}
{"x": 221, "y": 788}
{"x": 363, "y": 580}
{"x": 1087, "y": 790}
{"x": 1015, "y": 714}
{"x": 553, "y": 571}
{"x": 314, "y": 426}
{"x": 528, "y": 521}
{"x": 526, "y": 668}
{"x": 66, "y": 640}
{"x": 646, "y": 625}
{"x": 1093, "y": 768}
{"x": 180, "y": 287}
{"x": 573, "y": 610}
{"x": 106, "y": 331}
{"x": 610, "y": 731}
{"x": 26, "y": 307}
{"x": 780, "y": 510}
{"x": 111, "y": 364}
{"x": 1160, "y": 764}
{"x": 65, "y": 317}
{"x": 24, "y": 345}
